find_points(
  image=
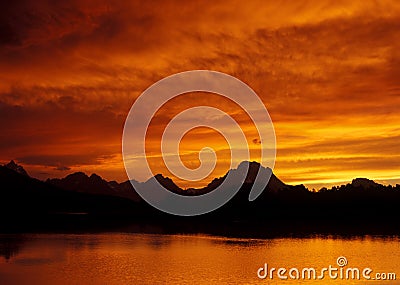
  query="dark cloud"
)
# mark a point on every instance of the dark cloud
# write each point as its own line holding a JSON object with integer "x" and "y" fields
{"x": 61, "y": 162}
{"x": 62, "y": 168}
{"x": 54, "y": 136}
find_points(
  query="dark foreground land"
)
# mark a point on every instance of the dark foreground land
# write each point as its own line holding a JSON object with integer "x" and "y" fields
{"x": 359, "y": 208}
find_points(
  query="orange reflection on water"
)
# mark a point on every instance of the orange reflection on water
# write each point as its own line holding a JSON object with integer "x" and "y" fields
{"x": 174, "y": 259}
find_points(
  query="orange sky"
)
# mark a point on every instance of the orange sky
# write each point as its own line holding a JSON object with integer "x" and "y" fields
{"x": 328, "y": 72}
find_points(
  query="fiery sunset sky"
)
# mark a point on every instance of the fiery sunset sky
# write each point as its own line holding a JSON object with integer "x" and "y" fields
{"x": 328, "y": 72}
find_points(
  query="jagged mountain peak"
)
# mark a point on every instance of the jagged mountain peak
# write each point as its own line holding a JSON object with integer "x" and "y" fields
{"x": 16, "y": 167}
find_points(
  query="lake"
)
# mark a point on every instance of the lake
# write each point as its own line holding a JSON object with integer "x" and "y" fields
{"x": 136, "y": 258}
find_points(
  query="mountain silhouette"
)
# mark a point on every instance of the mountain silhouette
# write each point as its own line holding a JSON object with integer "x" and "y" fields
{"x": 364, "y": 183}
{"x": 273, "y": 185}
{"x": 17, "y": 168}
{"x": 23, "y": 197}
{"x": 94, "y": 184}
{"x": 28, "y": 200}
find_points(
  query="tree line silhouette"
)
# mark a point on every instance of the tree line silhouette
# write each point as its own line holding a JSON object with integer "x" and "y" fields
{"x": 31, "y": 202}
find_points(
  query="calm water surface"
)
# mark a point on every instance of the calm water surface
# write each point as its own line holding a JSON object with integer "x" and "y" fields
{"x": 183, "y": 259}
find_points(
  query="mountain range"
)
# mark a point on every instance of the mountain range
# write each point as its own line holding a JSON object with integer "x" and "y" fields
{"x": 94, "y": 184}
{"x": 23, "y": 198}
